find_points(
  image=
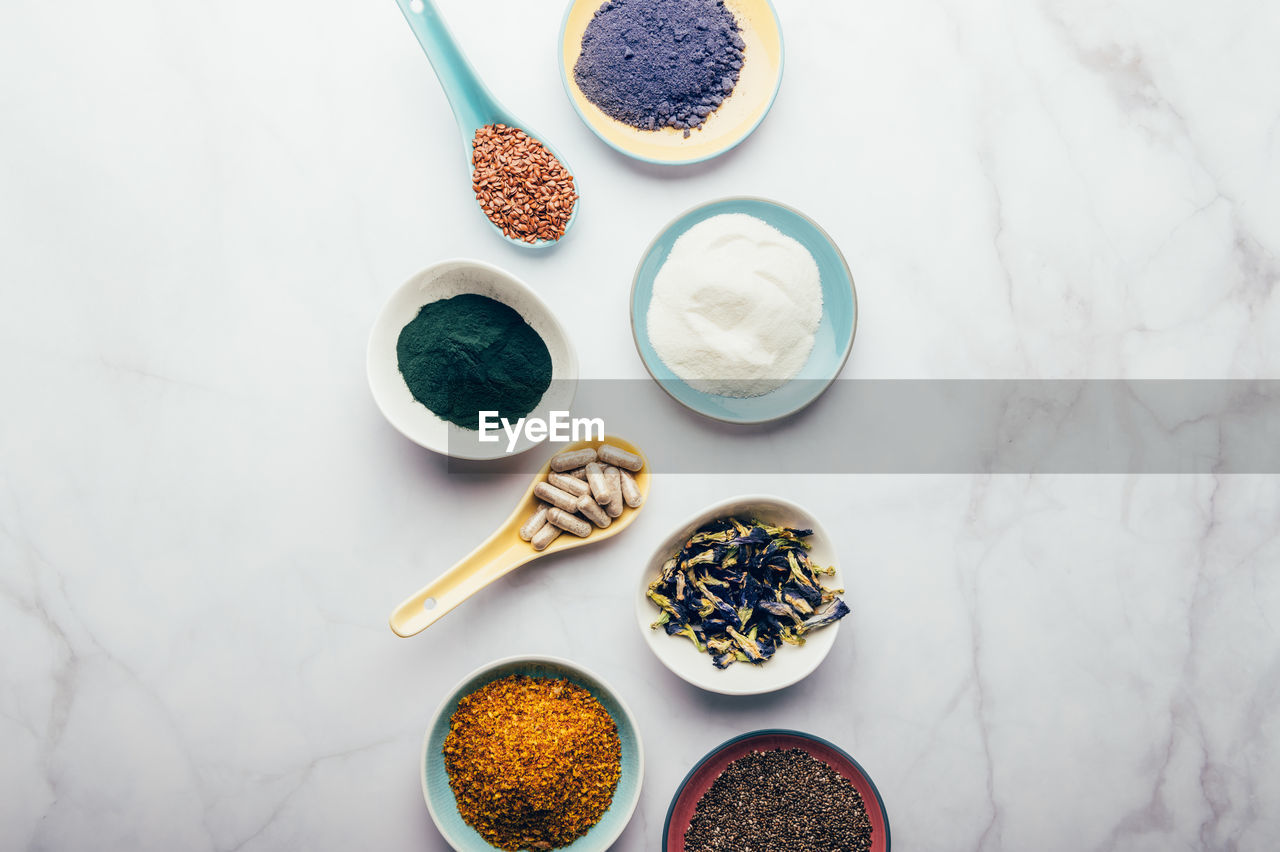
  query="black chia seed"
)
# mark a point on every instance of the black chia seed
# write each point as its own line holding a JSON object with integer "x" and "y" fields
{"x": 783, "y": 799}
{"x": 660, "y": 63}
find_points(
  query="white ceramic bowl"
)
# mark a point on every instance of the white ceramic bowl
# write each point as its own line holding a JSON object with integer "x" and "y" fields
{"x": 443, "y": 281}
{"x": 791, "y": 663}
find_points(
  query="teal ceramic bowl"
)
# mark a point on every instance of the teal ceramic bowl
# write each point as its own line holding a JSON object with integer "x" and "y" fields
{"x": 832, "y": 342}
{"x": 435, "y": 781}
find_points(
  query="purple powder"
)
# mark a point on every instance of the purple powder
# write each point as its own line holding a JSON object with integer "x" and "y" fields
{"x": 660, "y": 63}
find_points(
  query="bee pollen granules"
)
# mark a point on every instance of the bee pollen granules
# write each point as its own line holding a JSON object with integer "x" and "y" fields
{"x": 520, "y": 185}
{"x": 533, "y": 762}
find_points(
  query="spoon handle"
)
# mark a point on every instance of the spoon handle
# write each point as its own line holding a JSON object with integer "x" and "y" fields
{"x": 467, "y": 95}
{"x": 491, "y": 560}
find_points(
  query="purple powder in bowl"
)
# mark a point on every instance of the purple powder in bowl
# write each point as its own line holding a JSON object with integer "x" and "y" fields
{"x": 660, "y": 63}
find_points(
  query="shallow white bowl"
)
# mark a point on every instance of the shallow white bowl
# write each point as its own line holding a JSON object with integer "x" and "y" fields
{"x": 791, "y": 663}
{"x": 443, "y": 281}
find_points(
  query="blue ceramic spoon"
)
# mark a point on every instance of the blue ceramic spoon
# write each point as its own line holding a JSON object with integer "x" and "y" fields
{"x": 474, "y": 106}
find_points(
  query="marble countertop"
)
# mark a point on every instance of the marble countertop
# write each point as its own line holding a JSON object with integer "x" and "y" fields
{"x": 204, "y": 521}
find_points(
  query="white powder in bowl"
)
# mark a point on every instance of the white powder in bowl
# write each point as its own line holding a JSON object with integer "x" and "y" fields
{"x": 735, "y": 306}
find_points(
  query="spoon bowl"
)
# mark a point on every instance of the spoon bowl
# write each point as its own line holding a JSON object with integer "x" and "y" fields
{"x": 473, "y": 105}
{"x": 504, "y": 551}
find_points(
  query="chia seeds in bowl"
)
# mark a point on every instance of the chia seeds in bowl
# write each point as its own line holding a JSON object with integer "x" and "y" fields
{"x": 776, "y": 789}
{"x": 776, "y": 799}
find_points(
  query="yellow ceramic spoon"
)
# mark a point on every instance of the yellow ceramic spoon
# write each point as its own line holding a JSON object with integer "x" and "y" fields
{"x": 504, "y": 551}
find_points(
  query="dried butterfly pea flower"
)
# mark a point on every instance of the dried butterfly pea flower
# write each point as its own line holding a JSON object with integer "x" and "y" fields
{"x": 738, "y": 589}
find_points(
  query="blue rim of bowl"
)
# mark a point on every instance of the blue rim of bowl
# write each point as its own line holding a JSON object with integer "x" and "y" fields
{"x": 502, "y": 662}
{"x": 773, "y": 96}
{"x": 766, "y": 732}
{"x": 853, "y": 291}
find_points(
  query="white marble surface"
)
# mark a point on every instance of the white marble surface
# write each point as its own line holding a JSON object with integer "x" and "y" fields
{"x": 204, "y": 522}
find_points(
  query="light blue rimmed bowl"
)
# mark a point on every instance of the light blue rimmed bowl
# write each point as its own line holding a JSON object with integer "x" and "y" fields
{"x": 435, "y": 780}
{"x": 832, "y": 341}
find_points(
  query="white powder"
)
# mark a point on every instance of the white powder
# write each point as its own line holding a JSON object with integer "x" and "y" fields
{"x": 735, "y": 306}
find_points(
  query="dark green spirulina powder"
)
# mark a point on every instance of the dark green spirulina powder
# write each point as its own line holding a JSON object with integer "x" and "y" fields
{"x": 470, "y": 353}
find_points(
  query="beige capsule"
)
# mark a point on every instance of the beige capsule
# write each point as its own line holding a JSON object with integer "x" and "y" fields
{"x": 572, "y": 459}
{"x": 594, "y": 512}
{"x": 578, "y": 473}
{"x": 630, "y": 489}
{"x": 614, "y": 506}
{"x": 570, "y": 523}
{"x": 536, "y": 521}
{"x": 618, "y": 457}
{"x": 560, "y": 499}
{"x": 546, "y": 535}
{"x": 568, "y": 483}
{"x": 599, "y": 482}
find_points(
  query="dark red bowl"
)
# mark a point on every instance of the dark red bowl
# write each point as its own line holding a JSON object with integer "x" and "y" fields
{"x": 707, "y": 770}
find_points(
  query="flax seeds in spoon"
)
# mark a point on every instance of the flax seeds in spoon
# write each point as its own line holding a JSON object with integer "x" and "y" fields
{"x": 520, "y": 185}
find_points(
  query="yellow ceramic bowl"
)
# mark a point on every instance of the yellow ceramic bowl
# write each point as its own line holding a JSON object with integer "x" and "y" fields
{"x": 740, "y": 114}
